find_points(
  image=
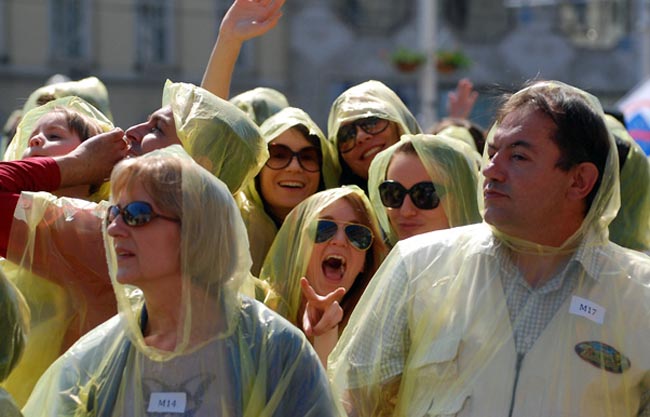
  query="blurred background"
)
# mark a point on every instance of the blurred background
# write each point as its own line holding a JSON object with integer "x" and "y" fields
{"x": 420, "y": 48}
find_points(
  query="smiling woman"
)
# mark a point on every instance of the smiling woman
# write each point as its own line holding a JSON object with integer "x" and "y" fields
{"x": 301, "y": 162}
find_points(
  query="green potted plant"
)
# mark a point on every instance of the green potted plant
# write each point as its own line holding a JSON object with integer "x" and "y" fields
{"x": 407, "y": 60}
{"x": 448, "y": 61}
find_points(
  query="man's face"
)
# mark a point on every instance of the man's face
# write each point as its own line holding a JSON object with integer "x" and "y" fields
{"x": 525, "y": 193}
{"x": 158, "y": 132}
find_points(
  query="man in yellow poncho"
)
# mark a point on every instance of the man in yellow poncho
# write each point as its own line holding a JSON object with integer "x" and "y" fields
{"x": 532, "y": 313}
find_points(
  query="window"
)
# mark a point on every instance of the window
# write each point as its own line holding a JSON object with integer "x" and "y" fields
{"x": 594, "y": 23}
{"x": 154, "y": 33}
{"x": 70, "y": 35}
{"x": 374, "y": 17}
{"x": 4, "y": 28}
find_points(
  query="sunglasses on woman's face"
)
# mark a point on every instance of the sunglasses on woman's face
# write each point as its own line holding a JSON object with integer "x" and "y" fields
{"x": 280, "y": 157}
{"x": 347, "y": 135}
{"x": 358, "y": 235}
{"x": 135, "y": 214}
{"x": 423, "y": 195}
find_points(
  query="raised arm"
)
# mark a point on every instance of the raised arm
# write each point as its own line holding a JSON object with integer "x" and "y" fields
{"x": 246, "y": 19}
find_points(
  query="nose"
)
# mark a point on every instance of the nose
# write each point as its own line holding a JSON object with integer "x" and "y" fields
{"x": 116, "y": 228}
{"x": 493, "y": 169}
{"x": 339, "y": 238}
{"x": 362, "y": 135}
{"x": 135, "y": 133}
{"x": 36, "y": 140}
{"x": 408, "y": 209}
{"x": 294, "y": 164}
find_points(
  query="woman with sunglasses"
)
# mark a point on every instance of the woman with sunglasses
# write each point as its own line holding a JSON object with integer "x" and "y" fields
{"x": 331, "y": 238}
{"x": 300, "y": 163}
{"x": 185, "y": 341}
{"x": 364, "y": 120}
{"x": 424, "y": 183}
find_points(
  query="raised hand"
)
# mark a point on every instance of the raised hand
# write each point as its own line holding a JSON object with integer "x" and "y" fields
{"x": 322, "y": 313}
{"x": 461, "y": 101}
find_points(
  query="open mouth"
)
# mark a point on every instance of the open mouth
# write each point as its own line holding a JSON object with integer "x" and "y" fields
{"x": 334, "y": 267}
{"x": 292, "y": 184}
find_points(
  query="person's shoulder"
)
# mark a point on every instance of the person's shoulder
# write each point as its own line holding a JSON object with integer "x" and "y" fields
{"x": 259, "y": 318}
{"x": 634, "y": 265}
{"x": 466, "y": 238}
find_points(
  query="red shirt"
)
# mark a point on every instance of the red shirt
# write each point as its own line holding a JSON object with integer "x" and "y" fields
{"x": 31, "y": 174}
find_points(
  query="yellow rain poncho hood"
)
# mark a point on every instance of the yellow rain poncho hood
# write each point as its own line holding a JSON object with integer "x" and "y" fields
{"x": 453, "y": 167}
{"x": 449, "y": 325}
{"x": 260, "y": 103}
{"x": 24, "y": 131}
{"x": 216, "y": 134}
{"x": 13, "y": 328}
{"x": 91, "y": 89}
{"x": 259, "y": 224}
{"x": 369, "y": 99}
{"x": 231, "y": 355}
{"x": 631, "y": 226}
{"x": 291, "y": 251}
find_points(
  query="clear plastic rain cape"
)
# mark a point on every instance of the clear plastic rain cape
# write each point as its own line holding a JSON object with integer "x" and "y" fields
{"x": 631, "y": 226}
{"x": 216, "y": 134}
{"x": 260, "y": 226}
{"x": 291, "y": 251}
{"x": 453, "y": 167}
{"x": 369, "y": 99}
{"x": 91, "y": 89}
{"x": 260, "y": 103}
{"x": 446, "y": 328}
{"x": 14, "y": 322}
{"x": 29, "y": 121}
{"x": 232, "y": 356}
{"x": 57, "y": 243}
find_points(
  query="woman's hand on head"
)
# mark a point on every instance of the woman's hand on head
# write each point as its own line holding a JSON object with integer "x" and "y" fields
{"x": 248, "y": 19}
{"x": 322, "y": 313}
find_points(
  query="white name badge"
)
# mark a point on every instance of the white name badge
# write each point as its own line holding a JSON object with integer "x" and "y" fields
{"x": 587, "y": 309}
{"x": 167, "y": 402}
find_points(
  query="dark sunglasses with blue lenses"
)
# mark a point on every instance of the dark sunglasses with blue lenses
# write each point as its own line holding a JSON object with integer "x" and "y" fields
{"x": 423, "y": 195}
{"x": 358, "y": 235}
{"x": 135, "y": 214}
{"x": 347, "y": 135}
{"x": 280, "y": 157}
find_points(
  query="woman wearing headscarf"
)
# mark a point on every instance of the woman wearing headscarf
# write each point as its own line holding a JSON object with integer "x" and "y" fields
{"x": 260, "y": 103}
{"x": 333, "y": 239}
{"x": 301, "y": 162}
{"x": 364, "y": 120}
{"x": 424, "y": 183}
{"x": 185, "y": 340}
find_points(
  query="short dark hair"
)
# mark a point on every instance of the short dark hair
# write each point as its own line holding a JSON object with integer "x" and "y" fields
{"x": 580, "y": 134}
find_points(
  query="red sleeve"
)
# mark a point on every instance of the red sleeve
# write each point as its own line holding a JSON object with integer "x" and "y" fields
{"x": 8, "y": 203}
{"x": 31, "y": 174}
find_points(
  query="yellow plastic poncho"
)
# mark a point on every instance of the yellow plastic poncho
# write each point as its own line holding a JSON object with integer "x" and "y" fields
{"x": 368, "y": 99}
{"x": 232, "y": 356}
{"x": 460, "y": 133}
{"x": 631, "y": 226}
{"x": 57, "y": 246}
{"x": 20, "y": 142}
{"x": 290, "y": 254}
{"x": 216, "y": 134}
{"x": 453, "y": 167}
{"x": 260, "y": 226}
{"x": 91, "y": 89}
{"x": 435, "y": 332}
{"x": 14, "y": 320}
{"x": 260, "y": 103}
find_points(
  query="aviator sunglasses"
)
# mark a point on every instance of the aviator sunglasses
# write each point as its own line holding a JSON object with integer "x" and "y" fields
{"x": 280, "y": 157}
{"x": 423, "y": 195}
{"x": 135, "y": 214}
{"x": 358, "y": 235}
{"x": 347, "y": 135}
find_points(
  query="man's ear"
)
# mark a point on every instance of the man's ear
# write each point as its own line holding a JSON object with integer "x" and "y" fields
{"x": 583, "y": 180}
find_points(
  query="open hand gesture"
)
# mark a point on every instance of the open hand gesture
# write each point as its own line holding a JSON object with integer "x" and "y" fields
{"x": 322, "y": 313}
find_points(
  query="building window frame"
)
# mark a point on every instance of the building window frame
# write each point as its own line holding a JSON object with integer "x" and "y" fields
{"x": 70, "y": 40}
{"x": 154, "y": 35}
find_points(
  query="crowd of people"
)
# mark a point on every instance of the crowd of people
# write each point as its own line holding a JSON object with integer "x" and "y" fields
{"x": 228, "y": 257}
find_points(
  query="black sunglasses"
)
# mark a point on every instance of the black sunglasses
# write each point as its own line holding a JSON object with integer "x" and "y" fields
{"x": 423, "y": 195}
{"x": 135, "y": 214}
{"x": 280, "y": 157}
{"x": 347, "y": 135}
{"x": 358, "y": 235}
